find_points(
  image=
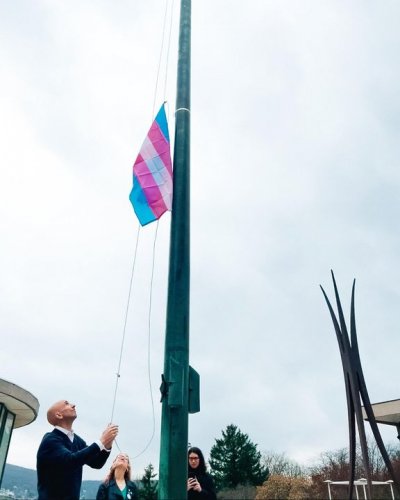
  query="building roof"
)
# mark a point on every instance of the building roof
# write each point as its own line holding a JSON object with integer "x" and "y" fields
{"x": 20, "y": 402}
{"x": 387, "y": 412}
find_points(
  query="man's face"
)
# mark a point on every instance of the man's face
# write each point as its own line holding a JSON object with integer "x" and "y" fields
{"x": 61, "y": 411}
{"x": 66, "y": 410}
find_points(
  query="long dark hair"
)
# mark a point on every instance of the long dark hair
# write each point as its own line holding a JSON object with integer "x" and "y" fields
{"x": 111, "y": 474}
{"x": 202, "y": 463}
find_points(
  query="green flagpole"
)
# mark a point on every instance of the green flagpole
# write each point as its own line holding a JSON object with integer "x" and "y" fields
{"x": 175, "y": 385}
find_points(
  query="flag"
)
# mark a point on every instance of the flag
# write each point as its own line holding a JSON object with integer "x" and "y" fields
{"x": 151, "y": 194}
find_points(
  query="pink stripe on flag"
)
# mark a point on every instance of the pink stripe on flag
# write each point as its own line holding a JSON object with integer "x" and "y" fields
{"x": 151, "y": 194}
{"x": 156, "y": 201}
{"x": 151, "y": 171}
{"x": 158, "y": 196}
{"x": 161, "y": 145}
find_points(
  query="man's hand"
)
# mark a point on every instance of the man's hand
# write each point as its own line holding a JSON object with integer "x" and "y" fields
{"x": 108, "y": 436}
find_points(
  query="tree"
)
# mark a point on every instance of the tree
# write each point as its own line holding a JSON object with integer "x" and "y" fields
{"x": 335, "y": 466}
{"x": 281, "y": 486}
{"x": 148, "y": 491}
{"x": 281, "y": 465}
{"x": 234, "y": 460}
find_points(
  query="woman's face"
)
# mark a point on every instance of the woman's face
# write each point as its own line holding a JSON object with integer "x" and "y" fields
{"x": 194, "y": 460}
{"x": 121, "y": 461}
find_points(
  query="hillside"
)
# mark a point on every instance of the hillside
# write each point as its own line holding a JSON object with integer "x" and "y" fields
{"x": 22, "y": 482}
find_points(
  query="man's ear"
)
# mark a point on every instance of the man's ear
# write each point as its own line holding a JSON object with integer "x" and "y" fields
{"x": 58, "y": 415}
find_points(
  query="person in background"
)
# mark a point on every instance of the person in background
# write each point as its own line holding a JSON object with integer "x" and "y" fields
{"x": 118, "y": 482}
{"x": 199, "y": 484}
{"x": 62, "y": 454}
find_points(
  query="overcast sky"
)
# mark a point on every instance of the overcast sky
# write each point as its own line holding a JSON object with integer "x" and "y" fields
{"x": 295, "y": 171}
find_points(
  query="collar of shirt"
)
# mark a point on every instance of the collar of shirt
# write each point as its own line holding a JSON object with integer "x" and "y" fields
{"x": 68, "y": 433}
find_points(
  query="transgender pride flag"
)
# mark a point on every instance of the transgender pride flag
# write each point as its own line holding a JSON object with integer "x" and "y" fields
{"x": 151, "y": 194}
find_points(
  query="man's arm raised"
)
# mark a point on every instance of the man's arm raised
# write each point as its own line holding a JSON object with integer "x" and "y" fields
{"x": 109, "y": 435}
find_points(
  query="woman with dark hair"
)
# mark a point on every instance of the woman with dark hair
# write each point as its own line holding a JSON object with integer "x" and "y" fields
{"x": 199, "y": 484}
{"x": 117, "y": 483}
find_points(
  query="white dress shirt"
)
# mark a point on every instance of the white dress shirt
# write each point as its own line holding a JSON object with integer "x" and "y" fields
{"x": 71, "y": 434}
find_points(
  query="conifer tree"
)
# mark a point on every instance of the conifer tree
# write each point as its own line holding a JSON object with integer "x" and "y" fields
{"x": 234, "y": 460}
{"x": 148, "y": 490}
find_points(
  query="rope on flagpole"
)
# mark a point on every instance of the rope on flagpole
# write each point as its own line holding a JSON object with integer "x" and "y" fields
{"x": 168, "y": 49}
{"x": 149, "y": 344}
{"x": 156, "y": 233}
{"x": 148, "y": 340}
{"x": 160, "y": 59}
{"x": 118, "y": 374}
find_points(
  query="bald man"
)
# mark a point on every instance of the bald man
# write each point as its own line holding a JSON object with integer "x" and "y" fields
{"x": 62, "y": 454}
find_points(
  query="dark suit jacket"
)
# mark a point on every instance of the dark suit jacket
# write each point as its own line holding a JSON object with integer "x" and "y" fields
{"x": 60, "y": 462}
{"x": 112, "y": 492}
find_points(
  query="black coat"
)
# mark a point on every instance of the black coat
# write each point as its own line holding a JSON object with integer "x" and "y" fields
{"x": 207, "y": 487}
{"x": 59, "y": 465}
{"x": 112, "y": 492}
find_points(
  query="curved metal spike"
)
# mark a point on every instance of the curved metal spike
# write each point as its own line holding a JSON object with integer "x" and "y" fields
{"x": 343, "y": 326}
{"x": 356, "y": 390}
{"x": 335, "y": 323}
{"x": 353, "y": 331}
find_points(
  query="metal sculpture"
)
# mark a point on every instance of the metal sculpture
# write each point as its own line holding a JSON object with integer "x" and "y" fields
{"x": 356, "y": 391}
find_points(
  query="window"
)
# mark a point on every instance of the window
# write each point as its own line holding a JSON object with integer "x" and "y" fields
{"x": 6, "y": 426}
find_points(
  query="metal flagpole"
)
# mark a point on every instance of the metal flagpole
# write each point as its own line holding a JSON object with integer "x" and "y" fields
{"x": 175, "y": 379}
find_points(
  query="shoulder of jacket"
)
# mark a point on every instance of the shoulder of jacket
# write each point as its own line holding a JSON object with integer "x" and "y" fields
{"x": 106, "y": 486}
{"x": 54, "y": 434}
{"x": 81, "y": 441}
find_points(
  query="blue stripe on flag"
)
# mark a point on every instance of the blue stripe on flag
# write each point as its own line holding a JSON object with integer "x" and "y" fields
{"x": 161, "y": 119}
{"x": 142, "y": 210}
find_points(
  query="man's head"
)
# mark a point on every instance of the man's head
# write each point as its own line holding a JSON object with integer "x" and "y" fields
{"x": 62, "y": 414}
